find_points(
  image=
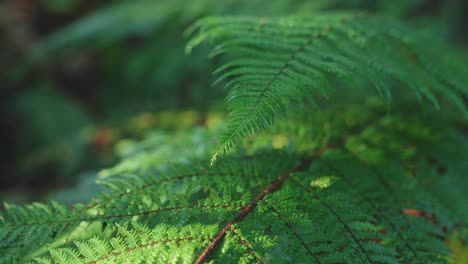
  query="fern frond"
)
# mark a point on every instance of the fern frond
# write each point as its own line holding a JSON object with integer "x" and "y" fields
{"x": 286, "y": 60}
{"x": 370, "y": 196}
{"x": 137, "y": 245}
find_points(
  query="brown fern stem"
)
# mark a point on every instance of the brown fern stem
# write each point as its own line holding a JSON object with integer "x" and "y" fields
{"x": 303, "y": 165}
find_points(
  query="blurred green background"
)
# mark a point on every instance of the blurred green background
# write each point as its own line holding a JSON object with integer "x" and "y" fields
{"x": 81, "y": 77}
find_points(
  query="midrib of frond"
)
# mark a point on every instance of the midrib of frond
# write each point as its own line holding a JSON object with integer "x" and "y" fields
{"x": 143, "y": 246}
{"x": 226, "y": 206}
{"x": 239, "y": 217}
{"x": 291, "y": 228}
{"x": 224, "y": 146}
{"x": 302, "y": 166}
{"x": 243, "y": 241}
{"x": 337, "y": 216}
{"x": 438, "y": 200}
{"x": 397, "y": 204}
{"x": 102, "y": 204}
{"x": 63, "y": 224}
{"x": 377, "y": 210}
{"x": 354, "y": 237}
{"x": 115, "y": 196}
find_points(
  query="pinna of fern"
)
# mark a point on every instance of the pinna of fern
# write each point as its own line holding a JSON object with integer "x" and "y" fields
{"x": 296, "y": 59}
{"x": 341, "y": 204}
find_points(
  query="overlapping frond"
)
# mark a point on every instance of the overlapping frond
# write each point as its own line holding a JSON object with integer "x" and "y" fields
{"x": 292, "y": 60}
{"x": 376, "y": 193}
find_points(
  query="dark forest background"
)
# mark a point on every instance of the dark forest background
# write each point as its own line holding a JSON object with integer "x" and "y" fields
{"x": 81, "y": 81}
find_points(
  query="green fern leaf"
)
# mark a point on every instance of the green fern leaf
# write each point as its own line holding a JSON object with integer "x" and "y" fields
{"x": 369, "y": 196}
{"x": 289, "y": 60}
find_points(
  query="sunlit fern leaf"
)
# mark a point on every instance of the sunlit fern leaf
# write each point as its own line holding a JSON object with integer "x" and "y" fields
{"x": 368, "y": 196}
{"x": 293, "y": 59}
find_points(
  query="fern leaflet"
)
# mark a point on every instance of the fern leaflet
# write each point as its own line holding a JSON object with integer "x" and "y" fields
{"x": 293, "y": 59}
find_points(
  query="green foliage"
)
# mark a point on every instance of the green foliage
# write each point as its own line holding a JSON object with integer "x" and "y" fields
{"x": 368, "y": 189}
{"x": 352, "y": 184}
{"x": 295, "y": 59}
{"x": 146, "y": 16}
{"x": 59, "y": 130}
{"x": 67, "y": 115}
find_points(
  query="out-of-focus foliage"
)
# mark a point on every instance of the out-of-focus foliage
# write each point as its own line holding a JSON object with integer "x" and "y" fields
{"x": 146, "y": 16}
{"x": 459, "y": 248}
{"x": 109, "y": 72}
{"x": 58, "y": 120}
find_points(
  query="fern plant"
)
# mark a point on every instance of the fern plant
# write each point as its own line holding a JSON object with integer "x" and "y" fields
{"x": 294, "y": 59}
{"x": 353, "y": 184}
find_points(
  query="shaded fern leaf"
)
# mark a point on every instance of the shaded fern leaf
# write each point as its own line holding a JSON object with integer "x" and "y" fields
{"x": 280, "y": 61}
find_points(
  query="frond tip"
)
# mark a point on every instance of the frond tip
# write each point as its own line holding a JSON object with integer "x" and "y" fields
{"x": 292, "y": 59}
